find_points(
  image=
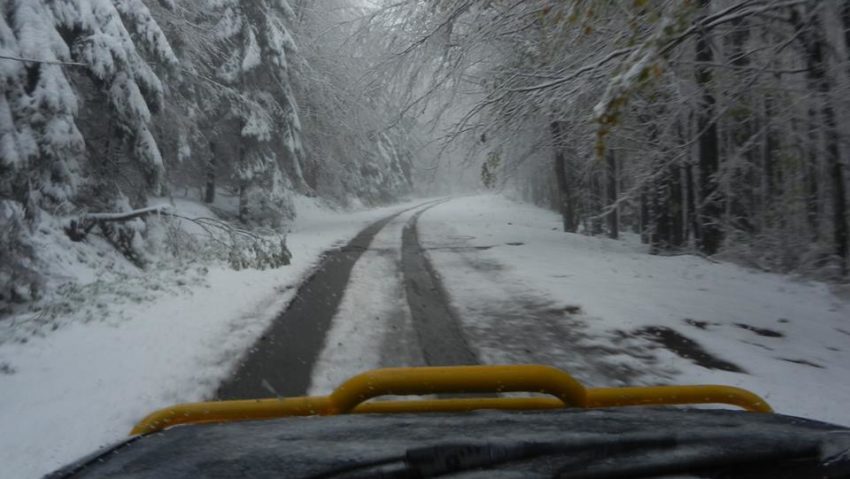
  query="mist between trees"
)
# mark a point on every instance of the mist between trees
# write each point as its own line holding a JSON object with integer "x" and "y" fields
{"x": 712, "y": 126}
{"x": 108, "y": 104}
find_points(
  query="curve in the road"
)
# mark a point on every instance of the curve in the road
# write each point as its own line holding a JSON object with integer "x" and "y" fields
{"x": 440, "y": 335}
{"x": 281, "y": 362}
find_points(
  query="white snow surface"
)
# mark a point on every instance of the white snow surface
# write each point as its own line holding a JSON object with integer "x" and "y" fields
{"x": 65, "y": 393}
{"x": 619, "y": 287}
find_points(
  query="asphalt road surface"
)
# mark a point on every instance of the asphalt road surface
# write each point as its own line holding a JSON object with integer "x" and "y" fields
{"x": 281, "y": 362}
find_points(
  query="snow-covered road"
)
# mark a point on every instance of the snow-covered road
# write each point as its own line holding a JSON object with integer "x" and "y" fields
{"x": 373, "y": 326}
{"x": 523, "y": 291}
{"x": 612, "y": 314}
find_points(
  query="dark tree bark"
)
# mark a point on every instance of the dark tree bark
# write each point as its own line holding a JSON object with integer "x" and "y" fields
{"x": 845, "y": 19}
{"x": 645, "y": 233}
{"x": 677, "y": 221}
{"x": 565, "y": 193}
{"x": 741, "y": 195}
{"x": 597, "y": 203}
{"x": 660, "y": 219}
{"x": 710, "y": 198}
{"x": 693, "y": 225}
{"x": 771, "y": 144}
{"x": 814, "y": 42}
{"x": 613, "y": 194}
{"x": 209, "y": 192}
{"x": 811, "y": 175}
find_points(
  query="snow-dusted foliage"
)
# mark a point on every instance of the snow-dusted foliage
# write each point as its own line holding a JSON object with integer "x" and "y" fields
{"x": 716, "y": 126}
{"x": 41, "y": 145}
{"x": 355, "y": 142}
{"x": 19, "y": 280}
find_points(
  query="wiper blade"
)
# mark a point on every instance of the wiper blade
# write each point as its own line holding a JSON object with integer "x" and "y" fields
{"x": 446, "y": 459}
{"x": 620, "y": 456}
{"x": 767, "y": 460}
{"x": 442, "y": 459}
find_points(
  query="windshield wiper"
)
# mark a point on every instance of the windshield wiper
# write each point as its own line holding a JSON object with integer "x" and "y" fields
{"x": 623, "y": 456}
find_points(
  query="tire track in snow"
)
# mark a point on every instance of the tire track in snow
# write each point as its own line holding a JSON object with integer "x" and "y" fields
{"x": 282, "y": 360}
{"x": 506, "y": 322}
{"x": 372, "y": 327}
{"x": 439, "y": 331}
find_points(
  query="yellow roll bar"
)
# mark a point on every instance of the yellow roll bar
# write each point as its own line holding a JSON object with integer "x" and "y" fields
{"x": 352, "y": 396}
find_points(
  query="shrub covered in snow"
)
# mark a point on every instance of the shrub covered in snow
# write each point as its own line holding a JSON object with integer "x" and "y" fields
{"x": 19, "y": 279}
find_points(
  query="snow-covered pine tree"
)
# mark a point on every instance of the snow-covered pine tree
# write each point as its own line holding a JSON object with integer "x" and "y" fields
{"x": 71, "y": 72}
{"x": 113, "y": 44}
{"x": 120, "y": 43}
{"x": 41, "y": 145}
{"x": 261, "y": 127}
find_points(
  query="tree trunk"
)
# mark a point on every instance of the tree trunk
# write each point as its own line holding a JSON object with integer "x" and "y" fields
{"x": 812, "y": 198}
{"x": 209, "y": 192}
{"x": 566, "y": 203}
{"x": 614, "y": 214}
{"x": 645, "y": 234}
{"x": 814, "y": 43}
{"x": 768, "y": 182}
{"x": 693, "y": 224}
{"x": 657, "y": 221}
{"x": 677, "y": 222}
{"x": 711, "y": 201}
{"x": 740, "y": 192}
{"x": 596, "y": 204}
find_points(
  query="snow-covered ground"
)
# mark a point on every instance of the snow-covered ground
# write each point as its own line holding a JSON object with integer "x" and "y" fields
{"x": 527, "y": 292}
{"x": 130, "y": 349}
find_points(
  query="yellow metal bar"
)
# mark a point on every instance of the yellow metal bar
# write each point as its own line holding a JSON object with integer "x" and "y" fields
{"x": 352, "y": 395}
{"x": 458, "y": 380}
{"x": 227, "y": 411}
{"x": 458, "y": 405}
{"x": 670, "y": 395}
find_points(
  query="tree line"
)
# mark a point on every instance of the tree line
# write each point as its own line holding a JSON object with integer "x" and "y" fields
{"x": 106, "y": 100}
{"x": 108, "y": 104}
{"x": 711, "y": 126}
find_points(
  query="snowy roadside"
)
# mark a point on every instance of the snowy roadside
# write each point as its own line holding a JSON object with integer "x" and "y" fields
{"x": 525, "y": 291}
{"x": 83, "y": 386}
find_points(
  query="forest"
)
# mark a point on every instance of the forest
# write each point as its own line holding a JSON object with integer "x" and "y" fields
{"x": 712, "y": 127}
{"x": 108, "y": 105}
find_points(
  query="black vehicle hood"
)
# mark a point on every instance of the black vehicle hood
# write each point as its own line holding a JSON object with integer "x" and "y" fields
{"x": 305, "y": 446}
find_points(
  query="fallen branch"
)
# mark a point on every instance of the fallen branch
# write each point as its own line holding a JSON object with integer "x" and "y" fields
{"x": 246, "y": 248}
{"x": 78, "y": 229}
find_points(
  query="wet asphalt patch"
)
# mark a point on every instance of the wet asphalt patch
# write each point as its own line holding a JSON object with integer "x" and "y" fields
{"x": 687, "y": 348}
{"x": 761, "y": 331}
{"x": 803, "y": 362}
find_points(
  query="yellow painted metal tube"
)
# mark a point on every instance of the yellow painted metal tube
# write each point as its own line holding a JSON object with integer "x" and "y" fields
{"x": 458, "y": 380}
{"x": 352, "y": 396}
{"x": 458, "y": 405}
{"x": 672, "y": 395}
{"x": 227, "y": 411}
